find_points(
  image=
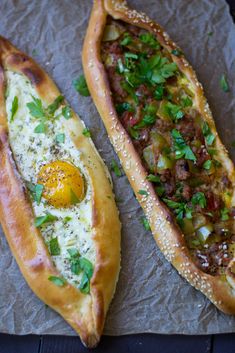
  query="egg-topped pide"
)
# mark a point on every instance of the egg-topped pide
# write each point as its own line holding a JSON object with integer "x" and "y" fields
{"x": 57, "y": 207}
{"x": 55, "y": 177}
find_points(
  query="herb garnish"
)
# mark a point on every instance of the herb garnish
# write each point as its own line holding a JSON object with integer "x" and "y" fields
{"x": 145, "y": 223}
{"x": 143, "y": 192}
{"x": 47, "y": 218}
{"x": 122, "y": 107}
{"x": 199, "y": 199}
{"x": 66, "y": 112}
{"x": 176, "y": 52}
{"x": 86, "y": 132}
{"x": 180, "y": 208}
{"x": 224, "y": 83}
{"x": 115, "y": 168}
{"x": 173, "y": 111}
{"x": 80, "y": 86}
{"x": 54, "y": 247}
{"x": 60, "y": 138}
{"x": 55, "y": 105}
{"x": 207, "y": 164}
{"x": 180, "y": 147}
{"x": 209, "y": 137}
{"x": 14, "y": 108}
{"x": 78, "y": 265}
{"x": 149, "y": 38}
{"x": 36, "y": 191}
{"x": 58, "y": 281}
{"x": 126, "y": 40}
{"x": 224, "y": 214}
{"x": 153, "y": 178}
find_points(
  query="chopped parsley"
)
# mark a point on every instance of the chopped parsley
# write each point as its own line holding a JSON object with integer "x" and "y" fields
{"x": 122, "y": 107}
{"x": 86, "y": 132}
{"x": 159, "y": 91}
{"x": 127, "y": 39}
{"x": 145, "y": 223}
{"x": 80, "y": 86}
{"x": 47, "y": 218}
{"x": 174, "y": 111}
{"x": 143, "y": 192}
{"x": 199, "y": 199}
{"x": 209, "y": 137}
{"x": 224, "y": 213}
{"x": 186, "y": 102}
{"x": 36, "y": 191}
{"x": 180, "y": 208}
{"x": 153, "y": 178}
{"x": 60, "y": 138}
{"x": 66, "y": 112}
{"x": 58, "y": 281}
{"x": 182, "y": 150}
{"x": 36, "y": 109}
{"x": 207, "y": 164}
{"x": 149, "y": 39}
{"x": 14, "y": 108}
{"x": 54, "y": 247}
{"x": 55, "y": 105}
{"x": 40, "y": 128}
{"x": 81, "y": 264}
{"x": 115, "y": 168}
{"x": 224, "y": 83}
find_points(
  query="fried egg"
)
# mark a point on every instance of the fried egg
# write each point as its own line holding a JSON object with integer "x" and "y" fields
{"x": 55, "y": 164}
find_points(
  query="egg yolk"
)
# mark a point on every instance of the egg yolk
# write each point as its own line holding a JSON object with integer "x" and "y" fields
{"x": 63, "y": 184}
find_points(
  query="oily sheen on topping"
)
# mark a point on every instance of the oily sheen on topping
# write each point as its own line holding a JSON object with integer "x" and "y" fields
{"x": 155, "y": 103}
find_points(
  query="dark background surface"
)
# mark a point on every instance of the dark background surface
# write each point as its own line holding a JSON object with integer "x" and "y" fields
{"x": 141, "y": 343}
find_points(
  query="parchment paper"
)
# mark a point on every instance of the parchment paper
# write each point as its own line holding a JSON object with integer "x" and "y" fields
{"x": 150, "y": 296}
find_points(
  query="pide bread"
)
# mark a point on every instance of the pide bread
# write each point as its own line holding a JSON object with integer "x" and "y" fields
{"x": 162, "y": 129}
{"x": 57, "y": 207}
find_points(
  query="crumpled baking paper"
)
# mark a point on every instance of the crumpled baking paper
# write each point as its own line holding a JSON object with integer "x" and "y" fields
{"x": 150, "y": 296}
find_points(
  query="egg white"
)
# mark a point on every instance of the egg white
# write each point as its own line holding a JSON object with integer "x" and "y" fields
{"x": 32, "y": 150}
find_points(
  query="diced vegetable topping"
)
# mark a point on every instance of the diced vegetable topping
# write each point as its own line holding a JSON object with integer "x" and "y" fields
{"x": 156, "y": 105}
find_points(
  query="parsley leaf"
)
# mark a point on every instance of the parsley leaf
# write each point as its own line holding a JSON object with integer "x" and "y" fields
{"x": 35, "y": 108}
{"x": 173, "y": 111}
{"x": 145, "y": 223}
{"x": 86, "y": 132}
{"x": 153, "y": 178}
{"x": 209, "y": 137}
{"x": 60, "y": 138}
{"x": 126, "y": 40}
{"x": 186, "y": 102}
{"x": 40, "y": 129}
{"x": 159, "y": 91}
{"x": 149, "y": 39}
{"x": 115, "y": 168}
{"x": 54, "y": 247}
{"x": 199, "y": 199}
{"x": 55, "y": 105}
{"x": 134, "y": 134}
{"x": 224, "y": 83}
{"x": 80, "y": 86}
{"x": 143, "y": 192}
{"x": 36, "y": 191}
{"x": 14, "y": 108}
{"x": 180, "y": 147}
{"x": 66, "y": 112}
{"x": 122, "y": 107}
{"x": 207, "y": 164}
{"x": 180, "y": 208}
{"x": 47, "y": 218}
{"x": 74, "y": 198}
{"x": 224, "y": 214}
{"x": 58, "y": 281}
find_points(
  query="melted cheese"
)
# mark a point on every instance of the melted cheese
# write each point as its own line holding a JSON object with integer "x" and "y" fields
{"x": 32, "y": 150}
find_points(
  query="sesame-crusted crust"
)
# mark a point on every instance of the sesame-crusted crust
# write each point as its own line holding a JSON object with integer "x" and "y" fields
{"x": 85, "y": 313}
{"x": 164, "y": 228}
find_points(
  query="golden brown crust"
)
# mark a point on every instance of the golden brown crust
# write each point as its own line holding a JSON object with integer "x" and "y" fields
{"x": 85, "y": 313}
{"x": 165, "y": 231}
